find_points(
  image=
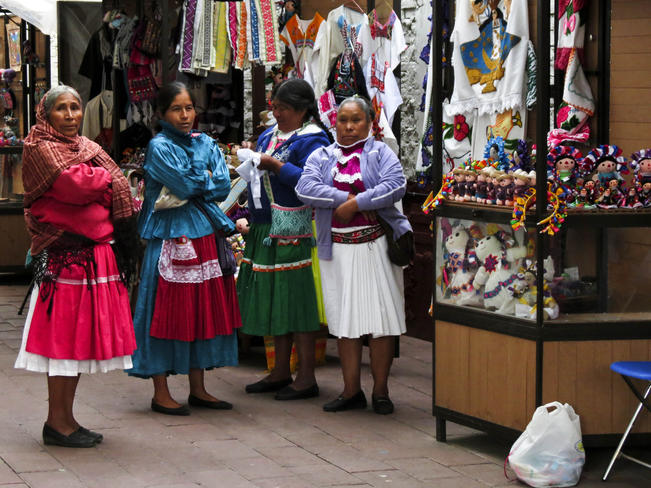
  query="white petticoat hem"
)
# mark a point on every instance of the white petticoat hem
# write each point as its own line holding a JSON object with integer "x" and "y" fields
{"x": 62, "y": 367}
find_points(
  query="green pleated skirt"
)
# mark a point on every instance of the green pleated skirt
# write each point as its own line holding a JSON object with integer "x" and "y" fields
{"x": 275, "y": 285}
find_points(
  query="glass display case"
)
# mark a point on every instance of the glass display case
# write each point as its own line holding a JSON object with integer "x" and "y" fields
{"x": 523, "y": 318}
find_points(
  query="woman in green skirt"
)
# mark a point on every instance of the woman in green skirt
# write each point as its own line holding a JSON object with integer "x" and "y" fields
{"x": 275, "y": 284}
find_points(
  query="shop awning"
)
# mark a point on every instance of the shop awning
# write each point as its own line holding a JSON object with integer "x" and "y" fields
{"x": 40, "y": 13}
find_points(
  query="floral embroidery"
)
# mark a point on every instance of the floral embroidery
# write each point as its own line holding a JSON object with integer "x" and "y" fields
{"x": 461, "y": 128}
{"x": 378, "y": 75}
{"x": 490, "y": 263}
{"x": 379, "y": 30}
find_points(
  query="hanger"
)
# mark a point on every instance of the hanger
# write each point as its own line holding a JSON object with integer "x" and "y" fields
{"x": 352, "y": 4}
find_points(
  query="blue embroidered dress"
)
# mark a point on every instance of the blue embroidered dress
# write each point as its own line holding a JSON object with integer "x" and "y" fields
{"x": 182, "y": 163}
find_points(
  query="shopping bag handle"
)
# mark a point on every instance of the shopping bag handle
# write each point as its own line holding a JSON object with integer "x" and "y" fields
{"x": 558, "y": 406}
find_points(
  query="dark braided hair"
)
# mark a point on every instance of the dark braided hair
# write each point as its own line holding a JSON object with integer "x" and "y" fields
{"x": 299, "y": 95}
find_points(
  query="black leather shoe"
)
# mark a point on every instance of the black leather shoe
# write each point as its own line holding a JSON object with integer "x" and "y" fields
{"x": 93, "y": 435}
{"x": 289, "y": 393}
{"x": 218, "y": 405}
{"x": 358, "y": 400}
{"x": 182, "y": 410}
{"x": 382, "y": 405}
{"x": 264, "y": 386}
{"x": 52, "y": 437}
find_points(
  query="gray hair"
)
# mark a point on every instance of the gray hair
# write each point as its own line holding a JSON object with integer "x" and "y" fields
{"x": 362, "y": 103}
{"x": 54, "y": 93}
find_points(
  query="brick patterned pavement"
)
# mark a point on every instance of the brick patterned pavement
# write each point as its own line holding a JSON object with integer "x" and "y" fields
{"x": 260, "y": 443}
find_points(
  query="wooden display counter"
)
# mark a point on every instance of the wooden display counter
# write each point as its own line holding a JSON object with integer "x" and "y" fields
{"x": 489, "y": 380}
{"x": 14, "y": 238}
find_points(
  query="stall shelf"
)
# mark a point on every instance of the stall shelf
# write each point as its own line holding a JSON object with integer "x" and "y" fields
{"x": 491, "y": 370}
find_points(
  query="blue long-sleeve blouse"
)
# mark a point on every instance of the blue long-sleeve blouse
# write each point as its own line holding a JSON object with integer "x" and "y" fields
{"x": 184, "y": 163}
{"x": 297, "y": 149}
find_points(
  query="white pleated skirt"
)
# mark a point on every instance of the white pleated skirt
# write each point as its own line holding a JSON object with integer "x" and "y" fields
{"x": 363, "y": 292}
{"x": 62, "y": 367}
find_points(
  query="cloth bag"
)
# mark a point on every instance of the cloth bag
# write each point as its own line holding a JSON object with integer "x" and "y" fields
{"x": 166, "y": 199}
{"x": 287, "y": 222}
{"x": 550, "y": 450}
{"x": 401, "y": 251}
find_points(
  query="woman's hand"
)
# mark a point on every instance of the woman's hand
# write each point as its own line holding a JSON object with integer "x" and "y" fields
{"x": 345, "y": 212}
{"x": 269, "y": 163}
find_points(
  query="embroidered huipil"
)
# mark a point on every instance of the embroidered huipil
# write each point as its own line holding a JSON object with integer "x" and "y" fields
{"x": 489, "y": 56}
{"x": 347, "y": 176}
{"x": 387, "y": 46}
{"x": 300, "y": 36}
{"x": 344, "y": 28}
{"x": 388, "y": 39}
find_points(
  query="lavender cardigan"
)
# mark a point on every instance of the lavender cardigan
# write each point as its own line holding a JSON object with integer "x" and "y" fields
{"x": 383, "y": 179}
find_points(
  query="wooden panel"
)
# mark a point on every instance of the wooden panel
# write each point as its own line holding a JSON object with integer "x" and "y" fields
{"x": 629, "y": 27}
{"x": 15, "y": 240}
{"x": 484, "y": 374}
{"x": 579, "y": 373}
{"x": 630, "y": 9}
{"x": 630, "y": 92}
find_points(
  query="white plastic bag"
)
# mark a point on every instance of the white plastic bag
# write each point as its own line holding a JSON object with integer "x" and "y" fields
{"x": 550, "y": 450}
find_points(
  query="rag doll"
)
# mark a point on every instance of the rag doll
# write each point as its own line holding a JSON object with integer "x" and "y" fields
{"x": 481, "y": 186}
{"x": 641, "y": 164}
{"x": 520, "y": 183}
{"x": 499, "y": 272}
{"x": 528, "y": 296}
{"x": 504, "y": 194}
{"x": 460, "y": 268}
{"x": 471, "y": 186}
{"x": 609, "y": 166}
{"x": 563, "y": 164}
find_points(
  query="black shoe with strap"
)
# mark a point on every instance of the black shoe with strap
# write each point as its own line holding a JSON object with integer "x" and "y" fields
{"x": 358, "y": 400}
{"x": 77, "y": 438}
{"x": 214, "y": 404}
{"x": 382, "y": 405}
{"x": 289, "y": 393}
{"x": 264, "y": 385}
{"x": 182, "y": 410}
{"x": 93, "y": 435}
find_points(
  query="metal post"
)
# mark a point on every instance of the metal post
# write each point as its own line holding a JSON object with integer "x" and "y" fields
{"x": 436, "y": 110}
{"x": 542, "y": 128}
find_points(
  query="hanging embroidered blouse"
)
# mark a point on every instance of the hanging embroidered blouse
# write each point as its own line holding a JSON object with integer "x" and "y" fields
{"x": 300, "y": 36}
{"x": 345, "y": 29}
{"x": 489, "y": 56}
{"x": 388, "y": 39}
{"x": 347, "y": 176}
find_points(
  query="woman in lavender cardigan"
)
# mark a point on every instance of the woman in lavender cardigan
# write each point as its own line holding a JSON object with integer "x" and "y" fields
{"x": 351, "y": 183}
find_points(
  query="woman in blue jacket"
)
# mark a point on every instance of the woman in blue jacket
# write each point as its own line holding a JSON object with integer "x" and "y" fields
{"x": 351, "y": 183}
{"x": 187, "y": 310}
{"x": 275, "y": 283}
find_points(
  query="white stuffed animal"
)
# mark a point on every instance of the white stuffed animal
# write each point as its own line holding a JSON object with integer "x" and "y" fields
{"x": 498, "y": 273}
{"x": 460, "y": 268}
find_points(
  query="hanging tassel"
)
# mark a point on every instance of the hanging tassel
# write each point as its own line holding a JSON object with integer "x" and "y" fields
{"x": 267, "y": 241}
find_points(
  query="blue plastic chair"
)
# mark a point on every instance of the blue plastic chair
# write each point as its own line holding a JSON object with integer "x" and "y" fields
{"x": 632, "y": 369}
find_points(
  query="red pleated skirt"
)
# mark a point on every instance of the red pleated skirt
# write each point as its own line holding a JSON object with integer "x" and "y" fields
{"x": 193, "y": 300}
{"x": 86, "y": 320}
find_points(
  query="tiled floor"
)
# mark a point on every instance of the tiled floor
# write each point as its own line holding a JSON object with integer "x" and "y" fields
{"x": 260, "y": 443}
